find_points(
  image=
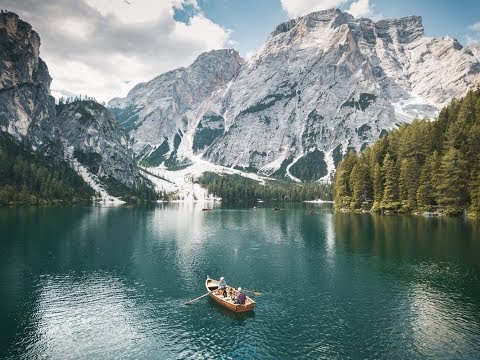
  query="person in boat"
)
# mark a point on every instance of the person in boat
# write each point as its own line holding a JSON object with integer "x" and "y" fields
{"x": 241, "y": 297}
{"x": 222, "y": 287}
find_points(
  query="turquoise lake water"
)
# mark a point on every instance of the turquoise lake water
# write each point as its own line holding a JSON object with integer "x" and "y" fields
{"x": 105, "y": 283}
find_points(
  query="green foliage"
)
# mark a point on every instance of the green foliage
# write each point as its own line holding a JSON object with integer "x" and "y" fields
{"x": 205, "y": 137}
{"x": 91, "y": 160}
{"x": 310, "y": 167}
{"x": 361, "y": 186}
{"x": 408, "y": 183}
{"x": 208, "y": 130}
{"x": 282, "y": 170}
{"x": 364, "y": 101}
{"x": 342, "y": 191}
{"x": 28, "y": 178}
{"x": 378, "y": 187}
{"x": 475, "y": 196}
{"x": 424, "y": 166}
{"x": 172, "y": 161}
{"x": 337, "y": 154}
{"x": 143, "y": 192}
{"x": 157, "y": 156}
{"x": 238, "y": 189}
{"x": 427, "y": 183}
{"x": 452, "y": 188}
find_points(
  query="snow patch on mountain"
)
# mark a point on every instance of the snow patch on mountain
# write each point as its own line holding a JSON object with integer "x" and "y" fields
{"x": 91, "y": 179}
{"x": 183, "y": 184}
{"x": 321, "y": 85}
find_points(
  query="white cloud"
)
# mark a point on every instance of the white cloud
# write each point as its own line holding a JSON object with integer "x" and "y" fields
{"x": 475, "y": 37}
{"x": 202, "y": 31}
{"x": 360, "y": 8}
{"x": 471, "y": 40}
{"x": 363, "y": 8}
{"x": 295, "y": 8}
{"x": 138, "y": 11}
{"x": 475, "y": 27}
{"x": 102, "y": 48}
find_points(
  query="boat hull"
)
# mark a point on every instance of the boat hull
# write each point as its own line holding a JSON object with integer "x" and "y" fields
{"x": 228, "y": 302}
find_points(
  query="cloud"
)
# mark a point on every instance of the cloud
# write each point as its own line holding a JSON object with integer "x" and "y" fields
{"x": 360, "y": 8}
{"x": 475, "y": 37}
{"x": 363, "y": 8}
{"x": 475, "y": 27}
{"x": 102, "y": 48}
{"x": 295, "y": 8}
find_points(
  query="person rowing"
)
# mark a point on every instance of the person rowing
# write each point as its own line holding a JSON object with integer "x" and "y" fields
{"x": 241, "y": 297}
{"x": 222, "y": 287}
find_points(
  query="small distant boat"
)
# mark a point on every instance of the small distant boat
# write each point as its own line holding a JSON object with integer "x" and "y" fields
{"x": 206, "y": 209}
{"x": 212, "y": 286}
{"x": 276, "y": 209}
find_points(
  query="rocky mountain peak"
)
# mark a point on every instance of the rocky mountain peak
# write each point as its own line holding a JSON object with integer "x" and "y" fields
{"x": 319, "y": 19}
{"x": 215, "y": 56}
{"x": 94, "y": 138}
{"x": 404, "y": 30}
{"x": 162, "y": 110}
{"x": 321, "y": 85}
{"x": 24, "y": 77}
{"x": 20, "y": 44}
{"x": 84, "y": 133}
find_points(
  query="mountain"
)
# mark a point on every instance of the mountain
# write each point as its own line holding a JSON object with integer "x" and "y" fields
{"x": 27, "y": 111}
{"x": 320, "y": 85}
{"x": 426, "y": 166}
{"x": 165, "y": 112}
{"x": 92, "y": 137}
{"x": 82, "y": 133}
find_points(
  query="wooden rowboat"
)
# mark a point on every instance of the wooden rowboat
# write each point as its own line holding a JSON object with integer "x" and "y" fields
{"x": 228, "y": 302}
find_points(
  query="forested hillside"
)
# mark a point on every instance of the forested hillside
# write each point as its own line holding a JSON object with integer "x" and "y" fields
{"x": 238, "y": 189}
{"x": 29, "y": 178}
{"x": 424, "y": 166}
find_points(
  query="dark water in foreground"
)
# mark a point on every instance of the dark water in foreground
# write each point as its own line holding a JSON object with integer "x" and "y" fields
{"x": 83, "y": 283}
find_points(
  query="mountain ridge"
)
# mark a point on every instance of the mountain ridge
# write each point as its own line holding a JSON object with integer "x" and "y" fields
{"x": 74, "y": 132}
{"x": 320, "y": 85}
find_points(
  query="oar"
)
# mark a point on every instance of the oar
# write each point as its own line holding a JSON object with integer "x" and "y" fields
{"x": 191, "y": 301}
{"x": 253, "y": 292}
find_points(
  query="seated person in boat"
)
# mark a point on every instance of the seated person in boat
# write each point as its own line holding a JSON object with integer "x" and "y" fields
{"x": 222, "y": 287}
{"x": 241, "y": 297}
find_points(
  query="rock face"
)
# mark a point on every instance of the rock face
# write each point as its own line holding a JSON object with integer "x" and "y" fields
{"x": 167, "y": 109}
{"x": 321, "y": 84}
{"x": 83, "y": 132}
{"x": 27, "y": 111}
{"x": 328, "y": 82}
{"x": 96, "y": 140}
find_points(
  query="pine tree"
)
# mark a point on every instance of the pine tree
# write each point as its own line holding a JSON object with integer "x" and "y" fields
{"x": 390, "y": 193}
{"x": 343, "y": 193}
{"x": 475, "y": 196}
{"x": 427, "y": 183}
{"x": 361, "y": 186}
{"x": 452, "y": 187}
{"x": 378, "y": 180}
{"x": 408, "y": 183}
{"x": 472, "y": 153}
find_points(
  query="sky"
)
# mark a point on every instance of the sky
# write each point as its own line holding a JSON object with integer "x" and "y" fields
{"x": 102, "y": 48}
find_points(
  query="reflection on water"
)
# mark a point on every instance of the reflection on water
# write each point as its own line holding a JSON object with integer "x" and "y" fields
{"x": 84, "y": 283}
{"x": 95, "y": 309}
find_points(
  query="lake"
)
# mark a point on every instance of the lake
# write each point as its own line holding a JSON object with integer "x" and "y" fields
{"x": 93, "y": 282}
